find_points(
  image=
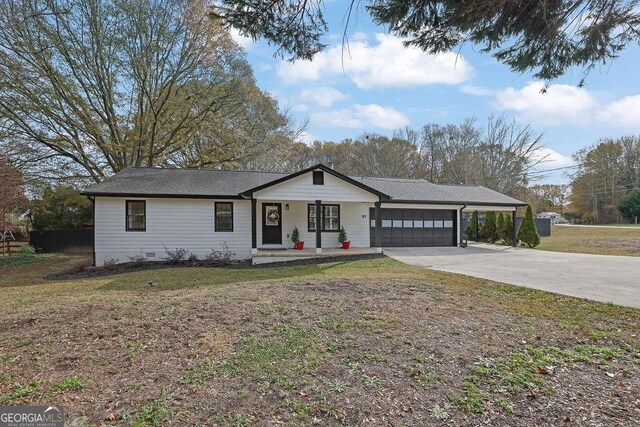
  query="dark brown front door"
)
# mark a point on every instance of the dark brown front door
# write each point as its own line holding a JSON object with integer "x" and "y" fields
{"x": 271, "y": 223}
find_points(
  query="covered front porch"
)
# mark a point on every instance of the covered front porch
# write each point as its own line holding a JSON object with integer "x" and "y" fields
{"x": 318, "y": 223}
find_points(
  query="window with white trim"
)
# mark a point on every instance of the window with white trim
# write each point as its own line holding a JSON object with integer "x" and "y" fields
{"x": 329, "y": 217}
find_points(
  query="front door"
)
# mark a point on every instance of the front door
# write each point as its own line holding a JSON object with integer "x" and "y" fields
{"x": 271, "y": 223}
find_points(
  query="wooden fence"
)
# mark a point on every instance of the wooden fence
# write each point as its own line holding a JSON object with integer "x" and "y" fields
{"x": 65, "y": 241}
{"x": 11, "y": 247}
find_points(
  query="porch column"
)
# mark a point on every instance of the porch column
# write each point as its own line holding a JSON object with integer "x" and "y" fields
{"x": 254, "y": 239}
{"x": 514, "y": 241}
{"x": 477, "y": 227}
{"x": 318, "y": 226}
{"x": 458, "y": 225}
{"x": 378, "y": 227}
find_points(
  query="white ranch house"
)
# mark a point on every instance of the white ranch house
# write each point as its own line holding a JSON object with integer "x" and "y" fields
{"x": 145, "y": 210}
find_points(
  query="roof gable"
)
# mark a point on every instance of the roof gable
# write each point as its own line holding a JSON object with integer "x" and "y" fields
{"x": 321, "y": 167}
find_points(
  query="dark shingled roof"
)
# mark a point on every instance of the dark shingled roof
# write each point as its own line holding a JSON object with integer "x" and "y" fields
{"x": 165, "y": 182}
{"x": 422, "y": 190}
{"x": 180, "y": 182}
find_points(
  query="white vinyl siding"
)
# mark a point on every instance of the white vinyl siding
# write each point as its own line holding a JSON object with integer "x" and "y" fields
{"x": 174, "y": 222}
{"x": 301, "y": 187}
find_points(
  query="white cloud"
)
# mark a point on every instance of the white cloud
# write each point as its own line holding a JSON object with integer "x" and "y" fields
{"x": 324, "y": 96}
{"x": 559, "y": 105}
{"x": 476, "y": 90}
{"x": 361, "y": 116}
{"x": 242, "y": 41}
{"x": 569, "y": 105}
{"x": 307, "y": 138}
{"x": 386, "y": 64}
{"x": 550, "y": 158}
{"x": 624, "y": 113}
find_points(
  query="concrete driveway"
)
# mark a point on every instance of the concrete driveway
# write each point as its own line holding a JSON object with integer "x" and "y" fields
{"x": 603, "y": 278}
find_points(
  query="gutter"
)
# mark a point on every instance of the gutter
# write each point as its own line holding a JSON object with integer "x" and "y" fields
{"x": 453, "y": 202}
{"x": 165, "y": 196}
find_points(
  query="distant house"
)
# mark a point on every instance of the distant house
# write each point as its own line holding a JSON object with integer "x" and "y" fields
{"x": 555, "y": 217}
{"x": 144, "y": 210}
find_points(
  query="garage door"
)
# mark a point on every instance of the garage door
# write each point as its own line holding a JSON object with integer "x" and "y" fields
{"x": 415, "y": 227}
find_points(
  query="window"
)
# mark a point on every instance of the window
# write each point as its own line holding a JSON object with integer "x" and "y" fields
{"x": 224, "y": 216}
{"x": 330, "y": 217}
{"x": 136, "y": 215}
{"x": 318, "y": 178}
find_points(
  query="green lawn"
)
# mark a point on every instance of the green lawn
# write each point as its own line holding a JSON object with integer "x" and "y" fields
{"x": 8, "y": 261}
{"x": 347, "y": 343}
{"x": 593, "y": 240}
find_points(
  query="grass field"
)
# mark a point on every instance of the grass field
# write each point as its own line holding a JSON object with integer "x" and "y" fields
{"x": 593, "y": 240}
{"x": 370, "y": 342}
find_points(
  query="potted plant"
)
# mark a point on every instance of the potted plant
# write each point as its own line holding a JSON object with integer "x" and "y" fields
{"x": 342, "y": 238}
{"x": 295, "y": 238}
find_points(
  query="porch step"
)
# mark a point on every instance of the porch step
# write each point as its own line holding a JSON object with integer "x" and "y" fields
{"x": 285, "y": 254}
{"x": 270, "y": 256}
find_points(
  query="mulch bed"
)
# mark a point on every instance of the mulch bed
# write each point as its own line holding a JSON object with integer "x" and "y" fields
{"x": 82, "y": 271}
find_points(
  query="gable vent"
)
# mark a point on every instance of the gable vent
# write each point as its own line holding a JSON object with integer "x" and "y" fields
{"x": 318, "y": 178}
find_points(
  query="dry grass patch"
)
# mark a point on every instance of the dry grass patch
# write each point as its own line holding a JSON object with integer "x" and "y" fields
{"x": 593, "y": 240}
{"x": 366, "y": 342}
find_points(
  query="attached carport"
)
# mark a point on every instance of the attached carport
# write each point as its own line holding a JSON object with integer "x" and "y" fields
{"x": 493, "y": 208}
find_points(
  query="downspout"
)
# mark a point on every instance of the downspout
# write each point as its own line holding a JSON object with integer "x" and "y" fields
{"x": 460, "y": 230}
{"x": 93, "y": 221}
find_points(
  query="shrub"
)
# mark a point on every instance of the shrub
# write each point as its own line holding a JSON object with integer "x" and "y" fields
{"x": 176, "y": 256}
{"x": 110, "y": 263}
{"x": 295, "y": 235}
{"x": 221, "y": 257}
{"x": 342, "y": 235}
{"x": 528, "y": 234}
{"x": 507, "y": 230}
{"x": 27, "y": 250}
{"x": 137, "y": 259}
{"x": 80, "y": 266}
{"x": 192, "y": 258}
{"x": 470, "y": 230}
{"x": 500, "y": 226}
{"x": 489, "y": 231}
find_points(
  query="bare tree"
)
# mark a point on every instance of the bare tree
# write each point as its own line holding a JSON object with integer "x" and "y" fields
{"x": 110, "y": 84}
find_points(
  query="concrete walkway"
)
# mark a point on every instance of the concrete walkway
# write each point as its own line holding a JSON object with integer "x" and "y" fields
{"x": 603, "y": 278}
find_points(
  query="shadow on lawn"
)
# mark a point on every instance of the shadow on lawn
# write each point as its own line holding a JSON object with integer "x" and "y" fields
{"x": 194, "y": 277}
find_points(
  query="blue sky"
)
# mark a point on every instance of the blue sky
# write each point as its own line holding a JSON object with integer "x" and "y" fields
{"x": 378, "y": 85}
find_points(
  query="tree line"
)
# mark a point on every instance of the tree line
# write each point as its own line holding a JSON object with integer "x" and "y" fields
{"x": 606, "y": 173}
{"x": 497, "y": 154}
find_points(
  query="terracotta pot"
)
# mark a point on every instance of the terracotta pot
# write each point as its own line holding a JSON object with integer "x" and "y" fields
{"x": 345, "y": 245}
{"x": 299, "y": 245}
